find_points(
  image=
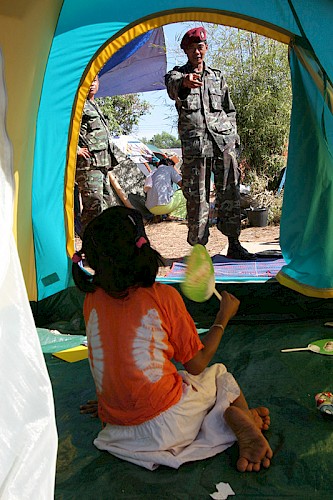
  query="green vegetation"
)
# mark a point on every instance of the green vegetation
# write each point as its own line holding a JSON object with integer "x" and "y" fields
{"x": 163, "y": 141}
{"x": 257, "y": 71}
{"x": 261, "y": 196}
{"x": 123, "y": 112}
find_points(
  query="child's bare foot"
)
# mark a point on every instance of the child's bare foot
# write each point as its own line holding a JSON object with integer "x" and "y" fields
{"x": 254, "y": 450}
{"x": 261, "y": 417}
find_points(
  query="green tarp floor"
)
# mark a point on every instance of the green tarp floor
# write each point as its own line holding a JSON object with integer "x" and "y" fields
{"x": 302, "y": 440}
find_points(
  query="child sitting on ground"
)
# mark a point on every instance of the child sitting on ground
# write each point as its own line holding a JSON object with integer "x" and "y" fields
{"x": 154, "y": 414}
{"x": 161, "y": 199}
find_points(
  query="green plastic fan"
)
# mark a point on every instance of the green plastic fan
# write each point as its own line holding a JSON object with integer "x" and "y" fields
{"x": 322, "y": 346}
{"x": 199, "y": 282}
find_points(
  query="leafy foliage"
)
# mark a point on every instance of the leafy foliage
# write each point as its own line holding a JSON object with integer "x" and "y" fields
{"x": 123, "y": 112}
{"x": 257, "y": 71}
{"x": 261, "y": 196}
{"x": 164, "y": 140}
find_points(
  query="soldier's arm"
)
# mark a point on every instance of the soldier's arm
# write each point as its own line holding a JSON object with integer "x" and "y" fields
{"x": 228, "y": 105}
{"x": 83, "y": 133}
{"x": 174, "y": 84}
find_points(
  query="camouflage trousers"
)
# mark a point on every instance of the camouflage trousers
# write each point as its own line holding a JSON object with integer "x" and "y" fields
{"x": 197, "y": 174}
{"x": 96, "y": 193}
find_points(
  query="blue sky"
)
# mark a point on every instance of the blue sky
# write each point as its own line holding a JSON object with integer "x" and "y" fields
{"x": 160, "y": 120}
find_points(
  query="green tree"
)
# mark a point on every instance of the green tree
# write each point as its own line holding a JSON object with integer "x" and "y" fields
{"x": 164, "y": 140}
{"x": 257, "y": 71}
{"x": 123, "y": 112}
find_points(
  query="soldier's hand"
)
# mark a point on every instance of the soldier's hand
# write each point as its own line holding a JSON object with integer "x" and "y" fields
{"x": 192, "y": 81}
{"x": 83, "y": 152}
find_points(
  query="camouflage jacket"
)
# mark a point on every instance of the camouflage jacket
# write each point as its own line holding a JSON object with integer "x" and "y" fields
{"x": 207, "y": 116}
{"x": 94, "y": 135}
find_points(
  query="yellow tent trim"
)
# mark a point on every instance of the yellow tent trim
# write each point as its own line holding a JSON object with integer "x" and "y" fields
{"x": 109, "y": 49}
{"x": 316, "y": 75}
{"x": 26, "y": 29}
{"x": 309, "y": 291}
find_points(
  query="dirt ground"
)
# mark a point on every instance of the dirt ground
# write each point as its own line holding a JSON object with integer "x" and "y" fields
{"x": 169, "y": 238}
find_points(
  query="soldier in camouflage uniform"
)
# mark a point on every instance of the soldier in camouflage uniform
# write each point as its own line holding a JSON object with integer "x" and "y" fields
{"x": 94, "y": 159}
{"x": 208, "y": 132}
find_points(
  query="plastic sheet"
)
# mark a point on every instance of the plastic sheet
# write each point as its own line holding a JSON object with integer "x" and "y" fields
{"x": 28, "y": 436}
{"x": 300, "y": 437}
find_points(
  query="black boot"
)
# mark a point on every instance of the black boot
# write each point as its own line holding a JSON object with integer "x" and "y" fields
{"x": 237, "y": 252}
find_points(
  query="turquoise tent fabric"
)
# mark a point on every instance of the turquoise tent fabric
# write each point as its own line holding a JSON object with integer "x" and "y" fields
{"x": 52, "y": 263}
{"x": 82, "y": 29}
{"x": 315, "y": 20}
{"x": 307, "y": 229}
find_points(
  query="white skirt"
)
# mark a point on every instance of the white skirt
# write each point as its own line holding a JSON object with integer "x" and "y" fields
{"x": 192, "y": 429}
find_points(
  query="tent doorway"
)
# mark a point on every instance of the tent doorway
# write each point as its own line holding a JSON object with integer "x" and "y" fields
{"x": 311, "y": 88}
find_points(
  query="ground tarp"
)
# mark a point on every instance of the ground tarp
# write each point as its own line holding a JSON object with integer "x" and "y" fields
{"x": 302, "y": 440}
{"x": 228, "y": 270}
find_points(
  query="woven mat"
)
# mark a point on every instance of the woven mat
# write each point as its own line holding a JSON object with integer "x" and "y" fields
{"x": 225, "y": 269}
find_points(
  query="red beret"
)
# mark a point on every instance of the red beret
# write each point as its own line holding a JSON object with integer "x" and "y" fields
{"x": 195, "y": 35}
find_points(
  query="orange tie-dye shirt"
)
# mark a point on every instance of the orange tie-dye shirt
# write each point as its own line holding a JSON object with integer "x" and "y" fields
{"x": 131, "y": 344}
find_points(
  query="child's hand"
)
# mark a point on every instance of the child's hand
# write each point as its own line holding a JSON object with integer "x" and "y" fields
{"x": 228, "y": 307}
{"x": 91, "y": 407}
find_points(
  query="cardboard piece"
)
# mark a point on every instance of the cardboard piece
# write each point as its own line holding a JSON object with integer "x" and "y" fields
{"x": 73, "y": 354}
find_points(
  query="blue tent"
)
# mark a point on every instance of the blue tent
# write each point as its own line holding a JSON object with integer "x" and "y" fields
{"x": 139, "y": 66}
{"x": 72, "y": 41}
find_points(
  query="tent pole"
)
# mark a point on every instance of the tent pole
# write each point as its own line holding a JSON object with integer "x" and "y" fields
{"x": 120, "y": 192}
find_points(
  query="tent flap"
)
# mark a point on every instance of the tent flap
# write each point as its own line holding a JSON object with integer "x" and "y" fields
{"x": 307, "y": 217}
